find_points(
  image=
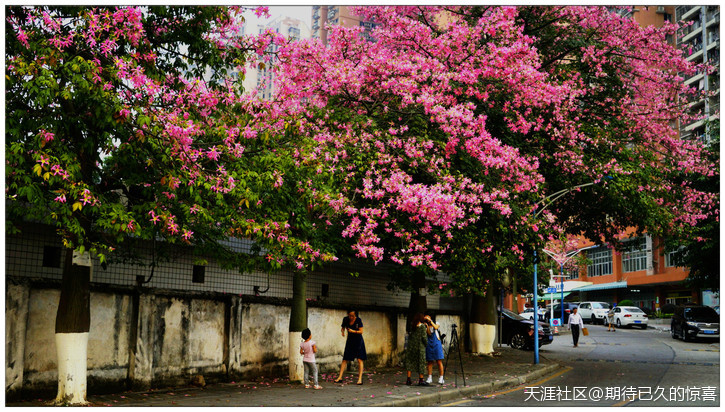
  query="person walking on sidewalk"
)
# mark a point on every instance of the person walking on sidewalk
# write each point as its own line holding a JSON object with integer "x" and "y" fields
{"x": 610, "y": 319}
{"x": 575, "y": 322}
{"x": 355, "y": 345}
{"x": 308, "y": 349}
{"x": 434, "y": 350}
{"x": 415, "y": 352}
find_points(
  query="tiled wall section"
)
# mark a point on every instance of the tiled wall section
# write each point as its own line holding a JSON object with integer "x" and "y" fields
{"x": 24, "y": 257}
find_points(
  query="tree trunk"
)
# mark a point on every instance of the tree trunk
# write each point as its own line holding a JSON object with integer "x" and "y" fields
{"x": 514, "y": 294}
{"x": 418, "y": 301}
{"x": 72, "y": 325}
{"x": 483, "y": 322}
{"x": 297, "y": 323}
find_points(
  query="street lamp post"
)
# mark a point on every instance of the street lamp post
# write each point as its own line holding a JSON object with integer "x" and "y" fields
{"x": 562, "y": 259}
{"x": 546, "y": 202}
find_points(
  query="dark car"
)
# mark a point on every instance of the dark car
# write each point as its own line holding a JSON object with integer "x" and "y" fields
{"x": 557, "y": 312}
{"x": 692, "y": 322}
{"x": 518, "y": 332}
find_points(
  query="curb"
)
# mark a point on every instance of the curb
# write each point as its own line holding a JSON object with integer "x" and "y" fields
{"x": 457, "y": 393}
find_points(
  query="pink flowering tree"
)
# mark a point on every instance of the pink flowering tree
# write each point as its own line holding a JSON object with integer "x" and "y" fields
{"x": 130, "y": 123}
{"x": 455, "y": 125}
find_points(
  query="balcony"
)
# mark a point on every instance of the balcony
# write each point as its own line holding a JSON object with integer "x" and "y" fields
{"x": 689, "y": 11}
{"x": 694, "y": 79}
{"x": 712, "y": 17}
{"x": 332, "y": 12}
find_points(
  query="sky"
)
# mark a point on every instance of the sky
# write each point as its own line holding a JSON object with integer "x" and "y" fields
{"x": 303, "y": 13}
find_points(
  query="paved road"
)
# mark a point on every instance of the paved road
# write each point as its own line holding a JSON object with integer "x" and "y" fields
{"x": 630, "y": 367}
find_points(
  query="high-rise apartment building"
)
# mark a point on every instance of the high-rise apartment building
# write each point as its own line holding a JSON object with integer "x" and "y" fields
{"x": 700, "y": 43}
{"x": 336, "y": 15}
{"x": 261, "y": 78}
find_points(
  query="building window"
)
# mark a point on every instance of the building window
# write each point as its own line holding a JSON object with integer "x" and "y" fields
{"x": 671, "y": 255}
{"x": 51, "y": 256}
{"x": 325, "y": 290}
{"x": 635, "y": 258}
{"x": 198, "y": 274}
{"x": 601, "y": 261}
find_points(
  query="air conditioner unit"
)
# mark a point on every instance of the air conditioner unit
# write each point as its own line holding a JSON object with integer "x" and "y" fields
{"x": 661, "y": 9}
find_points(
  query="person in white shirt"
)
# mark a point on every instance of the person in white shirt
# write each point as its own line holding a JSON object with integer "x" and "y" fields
{"x": 575, "y": 322}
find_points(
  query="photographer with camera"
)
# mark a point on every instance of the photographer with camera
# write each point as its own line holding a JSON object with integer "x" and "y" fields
{"x": 434, "y": 349}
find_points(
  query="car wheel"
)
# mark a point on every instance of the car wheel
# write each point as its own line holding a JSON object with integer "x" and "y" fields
{"x": 619, "y": 324}
{"x": 644, "y": 327}
{"x": 672, "y": 332}
{"x": 594, "y": 320}
{"x": 518, "y": 341}
{"x": 684, "y": 335}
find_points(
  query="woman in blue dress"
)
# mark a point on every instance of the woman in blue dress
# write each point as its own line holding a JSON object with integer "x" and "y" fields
{"x": 434, "y": 350}
{"x": 355, "y": 345}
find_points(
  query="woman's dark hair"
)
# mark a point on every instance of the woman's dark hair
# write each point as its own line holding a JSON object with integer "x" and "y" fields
{"x": 417, "y": 318}
{"x": 306, "y": 334}
{"x": 352, "y": 310}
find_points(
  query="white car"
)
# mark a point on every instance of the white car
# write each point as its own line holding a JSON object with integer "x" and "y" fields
{"x": 528, "y": 313}
{"x": 594, "y": 312}
{"x": 630, "y": 316}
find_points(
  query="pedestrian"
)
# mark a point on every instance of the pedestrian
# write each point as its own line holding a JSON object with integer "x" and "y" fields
{"x": 355, "y": 345}
{"x": 575, "y": 322}
{"x": 308, "y": 349}
{"x": 610, "y": 319}
{"x": 415, "y": 352}
{"x": 434, "y": 350}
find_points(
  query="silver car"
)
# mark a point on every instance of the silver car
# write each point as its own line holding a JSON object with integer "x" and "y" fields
{"x": 594, "y": 312}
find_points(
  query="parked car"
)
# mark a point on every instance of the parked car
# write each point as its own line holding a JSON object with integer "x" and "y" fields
{"x": 518, "y": 332}
{"x": 528, "y": 313}
{"x": 630, "y": 316}
{"x": 692, "y": 321}
{"x": 568, "y": 306}
{"x": 594, "y": 312}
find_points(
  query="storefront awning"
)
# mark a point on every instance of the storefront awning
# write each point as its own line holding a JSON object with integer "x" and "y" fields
{"x": 602, "y": 286}
{"x": 552, "y": 296}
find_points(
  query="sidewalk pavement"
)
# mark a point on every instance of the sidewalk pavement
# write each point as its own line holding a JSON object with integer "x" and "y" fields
{"x": 382, "y": 386}
{"x": 659, "y": 324}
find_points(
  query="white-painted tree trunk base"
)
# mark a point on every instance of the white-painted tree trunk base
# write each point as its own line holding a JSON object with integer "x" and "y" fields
{"x": 72, "y": 351}
{"x": 296, "y": 368}
{"x": 482, "y": 338}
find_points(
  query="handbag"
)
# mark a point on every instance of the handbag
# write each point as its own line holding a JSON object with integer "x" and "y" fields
{"x": 585, "y": 331}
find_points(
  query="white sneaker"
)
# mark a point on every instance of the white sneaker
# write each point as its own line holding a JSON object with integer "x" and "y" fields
{"x": 441, "y": 381}
{"x": 430, "y": 379}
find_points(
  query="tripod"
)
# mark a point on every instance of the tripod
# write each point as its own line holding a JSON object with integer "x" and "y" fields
{"x": 454, "y": 345}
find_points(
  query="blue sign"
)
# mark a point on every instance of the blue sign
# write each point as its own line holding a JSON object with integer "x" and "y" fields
{"x": 555, "y": 322}
{"x": 550, "y": 290}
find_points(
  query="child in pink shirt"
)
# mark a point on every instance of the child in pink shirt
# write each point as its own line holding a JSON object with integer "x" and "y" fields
{"x": 308, "y": 348}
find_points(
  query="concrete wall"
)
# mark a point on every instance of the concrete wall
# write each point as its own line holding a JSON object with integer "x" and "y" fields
{"x": 156, "y": 338}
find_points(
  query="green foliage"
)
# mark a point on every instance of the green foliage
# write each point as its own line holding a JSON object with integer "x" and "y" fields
{"x": 699, "y": 250}
{"x": 110, "y": 181}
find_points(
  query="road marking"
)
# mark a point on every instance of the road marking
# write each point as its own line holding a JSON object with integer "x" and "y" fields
{"x": 703, "y": 350}
{"x": 458, "y": 402}
{"x": 626, "y": 402}
{"x": 567, "y": 369}
{"x": 648, "y": 362}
